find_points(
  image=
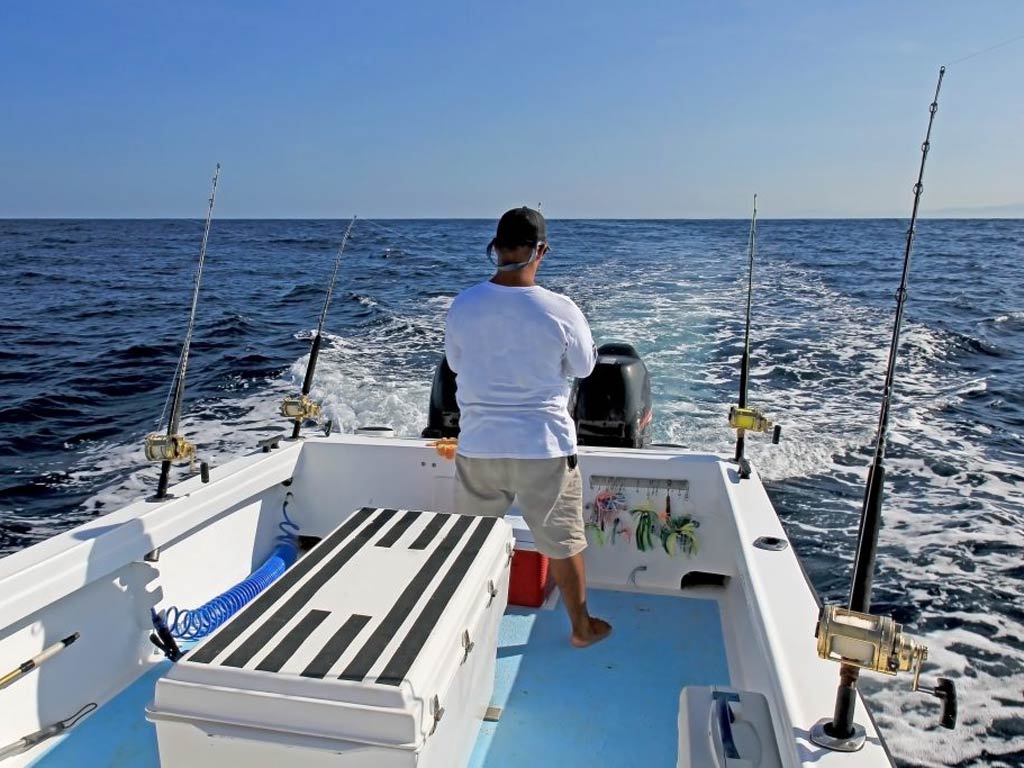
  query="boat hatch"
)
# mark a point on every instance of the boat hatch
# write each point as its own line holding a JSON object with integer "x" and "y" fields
{"x": 379, "y": 645}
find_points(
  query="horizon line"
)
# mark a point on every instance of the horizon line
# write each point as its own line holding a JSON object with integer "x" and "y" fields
{"x": 488, "y": 218}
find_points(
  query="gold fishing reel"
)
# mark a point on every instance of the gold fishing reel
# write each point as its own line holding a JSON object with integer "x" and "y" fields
{"x": 878, "y": 643}
{"x": 745, "y": 420}
{"x": 751, "y": 420}
{"x": 300, "y": 409}
{"x": 869, "y": 642}
{"x": 163, "y": 447}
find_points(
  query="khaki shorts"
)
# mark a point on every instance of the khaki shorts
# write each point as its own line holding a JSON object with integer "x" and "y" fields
{"x": 550, "y": 498}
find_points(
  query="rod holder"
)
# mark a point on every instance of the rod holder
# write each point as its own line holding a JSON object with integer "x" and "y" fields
{"x": 877, "y": 643}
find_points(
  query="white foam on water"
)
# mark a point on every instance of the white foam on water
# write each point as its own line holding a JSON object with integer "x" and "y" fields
{"x": 986, "y": 702}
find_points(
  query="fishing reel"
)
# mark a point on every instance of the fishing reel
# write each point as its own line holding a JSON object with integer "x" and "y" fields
{"x": 876, "y": 643}
{"x": 300, "y": 409}
{"x": 752, "y": 420}
{"x": 163, "y": 447}
{"x": 745, "y": 420}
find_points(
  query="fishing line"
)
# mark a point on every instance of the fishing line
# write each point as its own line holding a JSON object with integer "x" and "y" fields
{"x": 986, "y": 50}
{"x": 742, "y": 418}
{"x": 412, "y": 239}
{"x": 334, "y": 276}
{"x": 172, "y": 446}
{"x": 571, "y": 241}
{"x": 575, "y": 239}
{"x": 752, "y": 249}
{"x": 301, "y": 409}
{"x": 170, "y": 392}
{"x": 179, "y": 371}
{"x": 183, "y": 359}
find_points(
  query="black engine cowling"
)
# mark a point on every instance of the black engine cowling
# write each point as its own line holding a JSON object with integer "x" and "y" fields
{"x": 611, "y": 407}
{"x": 443, "y": 413}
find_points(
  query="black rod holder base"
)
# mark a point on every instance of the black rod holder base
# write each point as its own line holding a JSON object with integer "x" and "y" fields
{"x": 820, "y": 735}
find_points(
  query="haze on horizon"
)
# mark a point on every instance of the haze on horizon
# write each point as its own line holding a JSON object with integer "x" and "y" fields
{"x": 118, "y": 109}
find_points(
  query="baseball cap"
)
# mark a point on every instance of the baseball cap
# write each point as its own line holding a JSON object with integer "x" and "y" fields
{"x": 519, "y": 227}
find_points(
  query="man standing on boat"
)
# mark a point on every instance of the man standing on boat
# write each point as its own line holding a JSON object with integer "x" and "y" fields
{"x": 514, "y": 347}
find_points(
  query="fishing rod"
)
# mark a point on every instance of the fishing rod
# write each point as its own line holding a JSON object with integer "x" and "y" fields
{"x": 25, "y": 743}
{"x": 852, "y": 636}
{"x": 302, "y": 408}
{"x": 742, "y": 418}
{"x": 36, "y": 661}
{"x": 170, "y": 447}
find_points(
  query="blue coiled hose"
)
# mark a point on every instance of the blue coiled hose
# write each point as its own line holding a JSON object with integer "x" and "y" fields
{"x": 194, "y": 623}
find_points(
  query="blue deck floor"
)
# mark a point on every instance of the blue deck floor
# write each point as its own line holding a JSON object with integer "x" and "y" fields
{"x": 118, "y": 734}
{"x": 614, "y": 704}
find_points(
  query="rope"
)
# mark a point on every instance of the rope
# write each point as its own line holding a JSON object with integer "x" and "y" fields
{"x": 70, "y": 722}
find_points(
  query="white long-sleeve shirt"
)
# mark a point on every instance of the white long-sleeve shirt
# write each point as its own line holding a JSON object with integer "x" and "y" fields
{"x": 514, "y": 352}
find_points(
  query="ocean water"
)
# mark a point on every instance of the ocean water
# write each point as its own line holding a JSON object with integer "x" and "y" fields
{"x": 92, "y": 315}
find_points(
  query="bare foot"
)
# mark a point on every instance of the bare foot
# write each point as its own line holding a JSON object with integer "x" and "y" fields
{"x": 597, "y": 631}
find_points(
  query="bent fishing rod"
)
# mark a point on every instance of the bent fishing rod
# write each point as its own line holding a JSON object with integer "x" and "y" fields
{"x": 302, "y": 408}
{"x": 171, "y": 446}
{"x": 742, "y": 418}
{"x": 852, "y": 636}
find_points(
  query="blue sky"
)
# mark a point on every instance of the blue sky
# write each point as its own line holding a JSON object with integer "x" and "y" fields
{"x": 463, "y": 109}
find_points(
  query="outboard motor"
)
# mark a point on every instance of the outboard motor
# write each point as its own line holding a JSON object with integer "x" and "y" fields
{"x": 612, "y": 406}
{"x": 443, "y": 414}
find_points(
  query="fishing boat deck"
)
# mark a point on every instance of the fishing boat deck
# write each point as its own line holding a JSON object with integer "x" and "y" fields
{"x": 614, "y": 704}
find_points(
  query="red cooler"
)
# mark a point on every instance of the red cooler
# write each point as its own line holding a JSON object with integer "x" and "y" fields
{"x": 528, "y": 580}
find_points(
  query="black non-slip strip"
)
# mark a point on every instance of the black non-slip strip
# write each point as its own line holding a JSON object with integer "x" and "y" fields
{"x": 396, "y": 531}
{"x": 336, "y": 646}
{"x": 410, "y": 647}
{"x": 290, "y": 644}
{"x": 301, "y": 596}
{"x": 428, "y": 533}
{"x": 378, "y": 641}
{"x": 213, "y": 647}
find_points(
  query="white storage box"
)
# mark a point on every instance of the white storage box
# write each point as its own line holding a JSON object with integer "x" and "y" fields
{"x": 725, "y": 728}
{"x": 377, "y": 649}
{"x": 520, "y": 530}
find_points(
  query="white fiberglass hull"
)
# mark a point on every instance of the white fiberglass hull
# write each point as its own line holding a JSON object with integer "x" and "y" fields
{"x": 102, "y": 579}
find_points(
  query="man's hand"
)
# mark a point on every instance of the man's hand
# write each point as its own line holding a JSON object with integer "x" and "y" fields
{"x": 445, "y": 447}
